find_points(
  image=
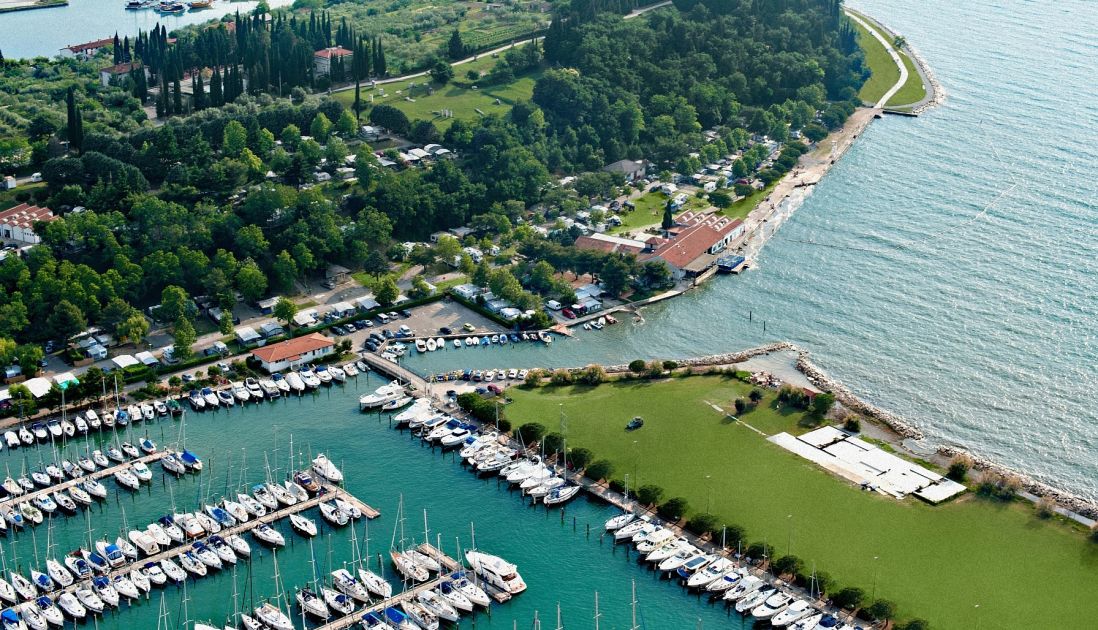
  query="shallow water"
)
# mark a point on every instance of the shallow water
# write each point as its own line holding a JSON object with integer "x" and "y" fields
{"x": 555, "y": 555}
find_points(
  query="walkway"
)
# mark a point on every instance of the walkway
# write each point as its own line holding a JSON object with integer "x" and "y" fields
{"x": 892, "y": 53}
{"x": 98, "y": 474}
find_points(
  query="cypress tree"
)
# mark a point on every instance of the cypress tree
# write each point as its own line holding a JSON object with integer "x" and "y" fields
{"x": 117, "y": 49}
{"x": 217, "y": 96}
{"x": 177, "y": 98}
{"x": 199, "y": 92}
{"x": 379, "y": 58}
{"x": 126, "y": 49}
{"x": 162, "y": 99}
{"x": 74, "y": 121}
{"x": 357, "y": 107}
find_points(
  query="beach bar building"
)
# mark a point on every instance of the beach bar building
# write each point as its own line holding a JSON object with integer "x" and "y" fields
{"x": 283, "y": 355}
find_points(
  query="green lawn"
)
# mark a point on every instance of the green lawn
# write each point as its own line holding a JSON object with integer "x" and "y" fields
{"x": 741, "y": 208}
{"x": 649, "y": 211}
{"x": 884, "y": 71}
{"x": 7, "y": 197}
{"x": 937, "y": 563}
{"x": 425, "y": 99}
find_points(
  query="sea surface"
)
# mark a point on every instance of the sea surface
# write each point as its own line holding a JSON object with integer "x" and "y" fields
{"x": 947, "y": 267}
{"x": 44, "y": 32}
{"x": 562, "y": 558}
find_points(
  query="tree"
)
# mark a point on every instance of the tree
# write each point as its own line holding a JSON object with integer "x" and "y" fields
{"x": 184, "y": 337}
{"x": 22, "y": 399}
{"x": 320, "y": 127}
{"x": 914, "y": 624}
{"x": 760, "y": 550}
{"x": 849, "y": 598}
{"x": 530, "y": 432}
{"x": 668, "y": 217}
{"x": 251, "y": 281}
{"x": 376, "y": 264}
{"x": 390, "y": 118}
{"x": 615, "y": 275}
{"x": 673, "y": 508}
{"x": 702, "y": 524}
{"x": 533, "y": 378}
{"x": 601, "y": 469}
{"x": 74, "y": 124}
{"x": 788, "y": 565}
{"x": 291, "y": 137}
{"x": 173, "y": 304}
{"x": 386, "y": 291}
{"x": 284, "y": 310}
{"x": 65, "y": 321}
{"x": 580, "y": 457}
{"x": 346, "y": 125}
{"x": 225, "y": 324}
{"x": 283, "y": 272}
{"x": 756, "y": 395}
{"x": 29, "y": 356}
{"x": 720, "y": 198}
{"x": 134, "y": 328}
{"x": 637, "y": 366}
{"x": 592, "y": 374}
{"x": 441, "y": 72}
{"x": 455, "y": 48}
{"x": 250, "y": 241}
{"x": 234, "y": 139}
{"x": 420, "y": 288}
{"x": 740, "y": 406}
{"x": 880, "y": 610}
{"x": 649, "y": 494}
{"x": 823, "y": 403}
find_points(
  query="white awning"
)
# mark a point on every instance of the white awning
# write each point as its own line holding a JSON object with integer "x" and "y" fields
{"x": 124, "y": 361}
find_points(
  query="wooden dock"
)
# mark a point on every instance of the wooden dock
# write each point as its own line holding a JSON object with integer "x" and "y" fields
{"x": 15, "y": 501}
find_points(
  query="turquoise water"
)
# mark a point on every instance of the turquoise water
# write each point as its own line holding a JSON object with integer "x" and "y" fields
{"x": 945, "y": 269}
{"x": 46, "y": 31}
{"x": 558, "y": 559}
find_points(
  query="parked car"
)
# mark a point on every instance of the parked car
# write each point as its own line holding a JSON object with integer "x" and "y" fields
{"x": 468, "y": 327}
{"x": 568, "y": 313}
{"x": 445, "y": 330}
{"x": 406, "y": 313}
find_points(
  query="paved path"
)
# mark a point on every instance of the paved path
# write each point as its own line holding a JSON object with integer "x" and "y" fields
{"x": 892, "y": 53}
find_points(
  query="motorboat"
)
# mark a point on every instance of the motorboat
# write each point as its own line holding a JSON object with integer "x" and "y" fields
{"x": 419, "y": 615}
{"x": 155, "y": 574}
{"x": 141, "y": 471}
{"x": 333, "y": 515}
{"x": 249, "y": 623}
{"x": 189, "y": 524}
{"x": 49, "y": 611}
{"x": 496, "y": 571}
{"x": 694, "y": 564}
{"x": 281, "y": 383}
{"x": 210, "y": 397}
{"x": 58, "y": 573}
{"x": 721, "y": 575}
{"x": 221, "y": 515}
{"x": 148, "y": 412}
{"x": 326, "y": 469}
{"x": 375, "y": 621}
{"x": 45, "y": 503}
{"x": 812, "y": 620}
{"x": 254, "y": 390}
{"x": 224, "y": 552}
{"x": 157, "y": 533}
{"x": 753, "y": 600}
{"x": 295, "y": 382}
{"x": 70, "y": 604}
{"x": 338, "y": 375}
{"x": 41, "y": 433}
{"x": 95, "y": 422}
{"x": 160, "y": 407}
{"x": 96, "y": 561}
{"x": 71, "y": 470}
{"x": 270, "y": 389}
{"x": 125, "y": 587}
{"x": 437, "y": 605}
{"x": 655, "y": 540}
{"x": 55, "y": 430}
{"x": 147, "y": 446}
{"x": 12, "y": 517}
{"x": 206, "y": 555}
{"x": 111, "y": 552}
{"x": 26, "y": 436}
{"x": 547, "y": 486}
{"x": 11, "y": 438}
{"x": 793, "y": 612}
{"x": 23, "y": 617}
{"x": 441, "y": 430}
{"x": 409, "y": 569}
{"x": 78, "y": 566}
{"x": 281, "y": 494}
{"x": 140, "y": 580}
{"x": 198, "y": 403}
{"x": 312, "y": 604}
{"x": 773, "y": 605}
{"x": 115, "y": 455}
{"x": 454, "y": 596}
{"x": 267, "y": 534}
{"x": 254, "y": 508}
{"x": 104, "y": 588}
{"x": 127, "y": 479}
{"x": 271, "y": 616}
{"x": 31, "y": 514}
{"x": 12, "y": 487}
{"x": 130, "y": 450}
{"x": 172, "y": 464}
{"x": 311, "y": 380}
{"x": 55, "y": 472}
{"x": 43, "y": 581}
{"x": 350, "y": 369}
{"x": 347, "y": 584}
{"x": 397, "y": 403}
{"x": 225, "y": 397}
{"x": 457, "y": 437}
{"x": 240, "y": 392}
{"x": 382, "y": 395}
{"x": 322, "y": 373}
{"x": 670, "y": 549}
{"x": 303, "y": 525}
{"x": 145, "y": 542}
{"x": 474, "y": 593}
{"x": 81, "y": 425}
{"x": 339, "y": 602}
{"x": 94, "y": 487}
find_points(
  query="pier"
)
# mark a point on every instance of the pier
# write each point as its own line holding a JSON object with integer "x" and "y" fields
{"x": 99, "y": 474}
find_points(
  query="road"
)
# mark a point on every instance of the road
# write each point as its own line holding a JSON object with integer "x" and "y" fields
{"x": 495, "y": 51}
{"x": 892, "y": 53}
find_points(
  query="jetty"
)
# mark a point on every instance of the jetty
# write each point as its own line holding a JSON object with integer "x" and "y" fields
{"x": 99, "y": 474}
{"x": 449, "y": 565}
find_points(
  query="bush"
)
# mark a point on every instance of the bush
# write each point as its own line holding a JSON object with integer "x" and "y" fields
{"x": 562, "y": 377}
{"x": 674, "y": 508}
{"x": 655, "y": 369}
{"x": 879, "y": 610}
{"x": 734, "y": 535}
{"x": 788, "y": 565}
{"x": 914, "y": 624}
{"x": 740, "y": 405}
{"x": 617, "y": 485}
{"x": 760, "y": 550}
{"x": 553, "y": 443}
{"x": 482, "y": 409}
{"x": 580, "y": 457}
{"x": 600, "y": 469}
{"x": 504, "y": 425}
{"x": 637, "y": 366}
{"x": 670, "y": 365}
{"x": 593, "y": 375}
{"x": 1094, "y": 533}
{"x": 533, "y": 378}
{"x": 702, "y": 524}
{"x": 959, "y": 467}
{"x": 849, "y": 598}
{"x": 531, "y": 432}
{"x": 853, "y": 425}
{"x": 649, "y": 494}
{"x": 999, "y": 487}
{"x": 1046, "y": 507}
{"x": 756, "y": 395}
{"x": 817, "y": 584}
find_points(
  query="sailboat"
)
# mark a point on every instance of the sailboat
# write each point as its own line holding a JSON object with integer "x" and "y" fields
{"x": 307, "y": 598}
{"x": 270, "y": 614}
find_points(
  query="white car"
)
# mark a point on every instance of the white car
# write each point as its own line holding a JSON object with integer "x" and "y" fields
{"x": 513, "y": 374}
{"x": 522, "y": 374}
{"x": 489, "y": 376}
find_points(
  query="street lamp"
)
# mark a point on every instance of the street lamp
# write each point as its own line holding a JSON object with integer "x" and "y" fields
{"x": 789, "y": 536}
{"x": 708, "y": 487}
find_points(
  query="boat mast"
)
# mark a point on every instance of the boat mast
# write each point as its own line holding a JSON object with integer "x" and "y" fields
{"x": 597, "y": 614}
{"x": 559, "y": 626}
{"x": 634, "y": 626}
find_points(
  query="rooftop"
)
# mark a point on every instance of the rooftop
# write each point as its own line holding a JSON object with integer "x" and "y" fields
{"x": 292, "y": 348}
{"x": 25, "y": 215}
{"x": 610, "y": 244}
{"x": 97, "y": 44}
{"x": 334, "y": 51}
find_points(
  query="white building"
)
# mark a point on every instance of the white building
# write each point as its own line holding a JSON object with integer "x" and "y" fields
{"x": 17, "y": 224}
{"x": 281, "y": 356}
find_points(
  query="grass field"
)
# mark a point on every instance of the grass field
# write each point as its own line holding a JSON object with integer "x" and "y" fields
{"x": 741, "y": 208}
{"x": 937, "y": 563}
{"x": 885, "y": 72}
{"x": 913, "y": 90}
{"x": 649, "y": 211}
{"x": 424, "y": 99}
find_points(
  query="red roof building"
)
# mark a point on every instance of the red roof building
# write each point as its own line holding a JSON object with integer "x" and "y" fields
{"x": 610, "y": 244}
{"x": 17, "y": 224}
{"x": 283, "y": 355}
{"x": 696, "y": 244}
{"x": 86, "y": 49}
{"x": 322, "y": 59}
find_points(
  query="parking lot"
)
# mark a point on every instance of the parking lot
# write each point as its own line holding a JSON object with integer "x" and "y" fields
{"x": 428, "y": 320}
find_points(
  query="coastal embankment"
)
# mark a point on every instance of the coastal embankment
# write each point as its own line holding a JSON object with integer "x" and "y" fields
{"x": 7, "y": 6}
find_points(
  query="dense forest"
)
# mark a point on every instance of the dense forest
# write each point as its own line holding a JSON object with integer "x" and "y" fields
{"x": 220, "y": 202}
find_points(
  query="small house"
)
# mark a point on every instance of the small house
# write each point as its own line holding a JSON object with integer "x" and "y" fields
{"x": 467, "y": 291}
{"x": 271, "y": 329}
{"x": 124, "y": 361}
{"x": 247, "y": 335}
{"x": 267, "y": 306}
{"x": 285, "y": 354}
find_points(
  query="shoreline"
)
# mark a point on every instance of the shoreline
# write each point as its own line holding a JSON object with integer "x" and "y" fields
{"x": 936, "y": 94}
{"x": 30, "y": 5}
